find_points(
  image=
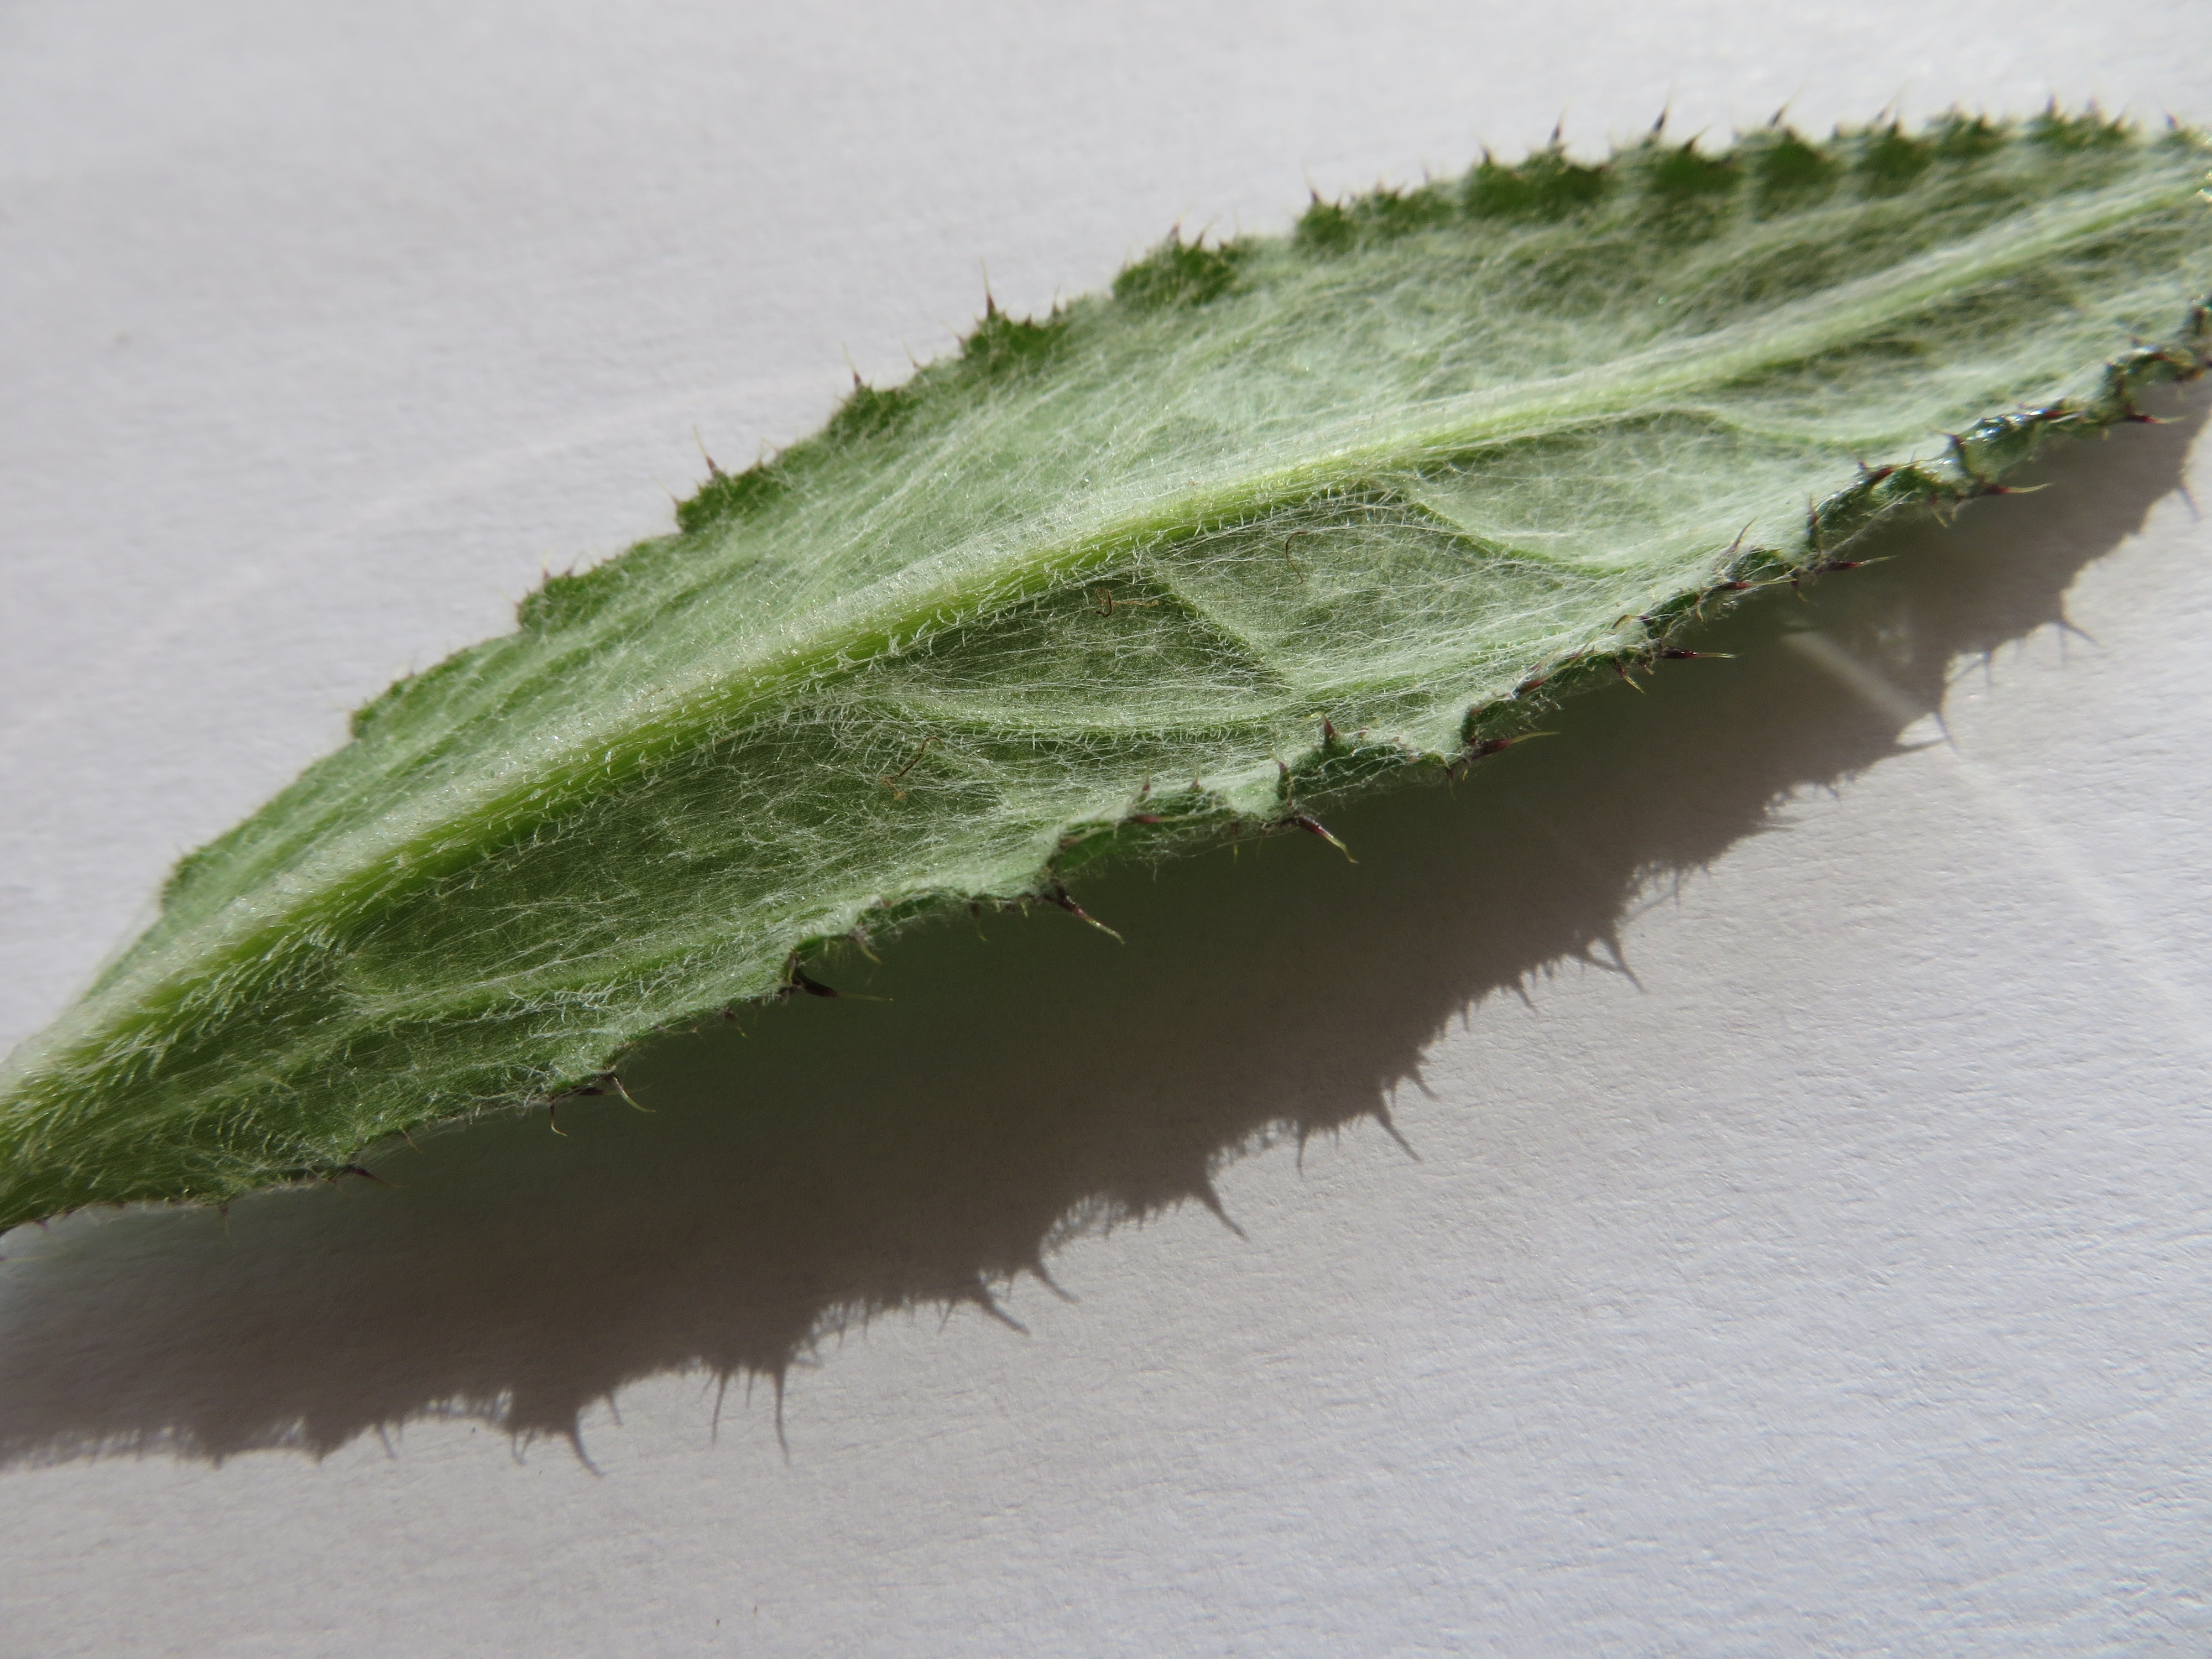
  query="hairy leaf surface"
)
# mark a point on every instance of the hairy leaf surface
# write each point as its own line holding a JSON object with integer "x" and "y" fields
{"x": 1274, "y": 519}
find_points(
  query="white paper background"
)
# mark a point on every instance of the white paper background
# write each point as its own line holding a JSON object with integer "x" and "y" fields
{"x": 1833, "y": 1280}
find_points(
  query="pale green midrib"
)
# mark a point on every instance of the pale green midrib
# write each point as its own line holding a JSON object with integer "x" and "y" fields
{"x": 404, "y": 848}
{"x": 1924, "y": 278}
{"x": 1694, "y": 362}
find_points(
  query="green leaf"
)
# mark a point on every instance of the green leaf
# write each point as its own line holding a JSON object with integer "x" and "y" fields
{"x": 1276, "y": 519}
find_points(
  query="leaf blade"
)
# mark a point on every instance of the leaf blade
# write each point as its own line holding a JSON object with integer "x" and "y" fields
{"x": 1385, "y": 473}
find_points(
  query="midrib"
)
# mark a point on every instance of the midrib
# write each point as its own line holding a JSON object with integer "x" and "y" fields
{"x": 435, "y": 833}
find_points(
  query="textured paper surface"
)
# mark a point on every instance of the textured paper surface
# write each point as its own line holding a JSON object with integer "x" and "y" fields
{"x": 1811, "y": 1261}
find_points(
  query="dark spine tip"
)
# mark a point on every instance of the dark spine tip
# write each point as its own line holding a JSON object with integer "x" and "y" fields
{"x": 1060, "y": 896}
{"x": 813, "y": 987}
{"x": 1313, "y": 826}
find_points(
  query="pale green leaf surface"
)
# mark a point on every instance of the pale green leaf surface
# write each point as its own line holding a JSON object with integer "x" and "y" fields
{"x": 1095, "y": 586}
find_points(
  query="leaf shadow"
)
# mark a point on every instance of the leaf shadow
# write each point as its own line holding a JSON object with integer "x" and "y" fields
{"x": 836, "y": 1160}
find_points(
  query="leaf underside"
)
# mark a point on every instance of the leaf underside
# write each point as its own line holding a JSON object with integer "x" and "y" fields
{"x": 1275, "y": 520}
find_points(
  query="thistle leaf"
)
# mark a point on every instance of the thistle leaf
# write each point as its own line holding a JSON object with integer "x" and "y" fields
{"x": 1274, "y": 520}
